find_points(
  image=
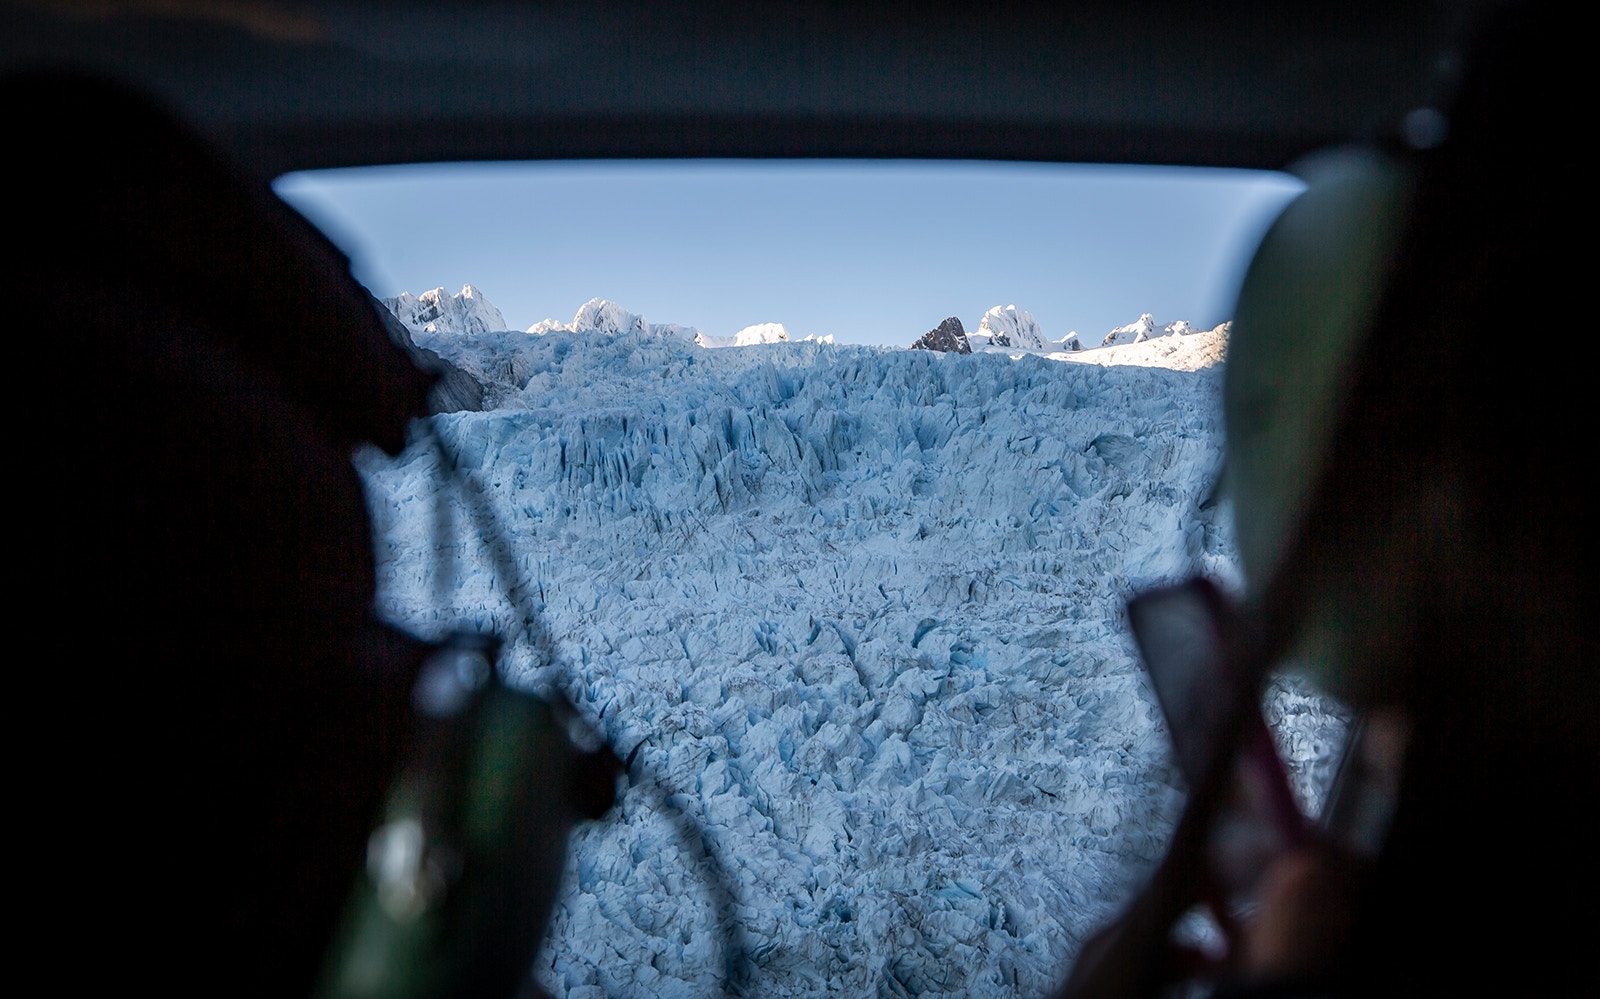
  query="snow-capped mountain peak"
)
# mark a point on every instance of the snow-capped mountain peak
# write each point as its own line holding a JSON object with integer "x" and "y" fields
{"x": 1009, "y": 326}
{"x": 749, "y": 336}
{"x": 544, "y": 326}
{"x": 604, "y": 316}
{"x": 608, "y": 317}
{"x": 1140, "y": 329}
{"x": 1145, "y": 328}
{"x": 601, "y": 316}
{"x": 438, "y": 311}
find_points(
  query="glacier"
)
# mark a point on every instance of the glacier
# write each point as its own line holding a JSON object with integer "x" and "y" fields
{"x": 854, "y": 617}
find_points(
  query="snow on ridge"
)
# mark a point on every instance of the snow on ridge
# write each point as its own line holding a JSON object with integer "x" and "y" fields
{"x": 603, "y": 316}
{"x": 1009, "y": 329}
{"x": 1144, "y": 328}
{"x": 761, "y": 333}
{"x": 854, "y": 611}
{"x": 437, "y": 311}
{"x": 1139, "y": 329}
{"x": 599, "y": 315}
{"x": 1004, "y": 327}
{"x": 750, "y": 336}
{"x": 1177, "y": 346}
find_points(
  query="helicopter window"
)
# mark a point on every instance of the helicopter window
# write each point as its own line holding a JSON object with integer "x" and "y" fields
{"x": 866, "y": 251}
{"x": 851, "y": 613}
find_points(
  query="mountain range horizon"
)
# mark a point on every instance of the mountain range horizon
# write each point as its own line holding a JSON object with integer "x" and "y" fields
{"x": 469, "y": 311}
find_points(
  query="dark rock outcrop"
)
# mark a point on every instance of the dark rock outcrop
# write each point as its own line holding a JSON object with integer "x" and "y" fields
{"x": 947, "y": 336}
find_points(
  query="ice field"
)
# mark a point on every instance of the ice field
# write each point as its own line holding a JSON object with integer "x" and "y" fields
{"x": 854, "y": 617}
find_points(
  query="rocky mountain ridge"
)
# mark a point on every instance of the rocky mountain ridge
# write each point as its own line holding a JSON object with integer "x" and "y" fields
{"x": 948, "y": 336}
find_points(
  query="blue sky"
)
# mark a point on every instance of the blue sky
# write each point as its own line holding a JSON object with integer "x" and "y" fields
{"x": 871, "y": 252}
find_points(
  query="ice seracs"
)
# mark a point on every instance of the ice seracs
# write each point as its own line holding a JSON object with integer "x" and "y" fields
{"x": 851, "y": 616}
{"x": 438, "y": 311}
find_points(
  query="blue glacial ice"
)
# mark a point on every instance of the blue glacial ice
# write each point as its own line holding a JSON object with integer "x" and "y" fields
{"x": 855, "y": 618}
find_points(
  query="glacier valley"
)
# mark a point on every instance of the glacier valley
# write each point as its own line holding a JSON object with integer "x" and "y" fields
{"x": 854, "y": 618}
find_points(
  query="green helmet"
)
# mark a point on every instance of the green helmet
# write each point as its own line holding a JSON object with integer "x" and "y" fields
{"x": 1304, "y": 311}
